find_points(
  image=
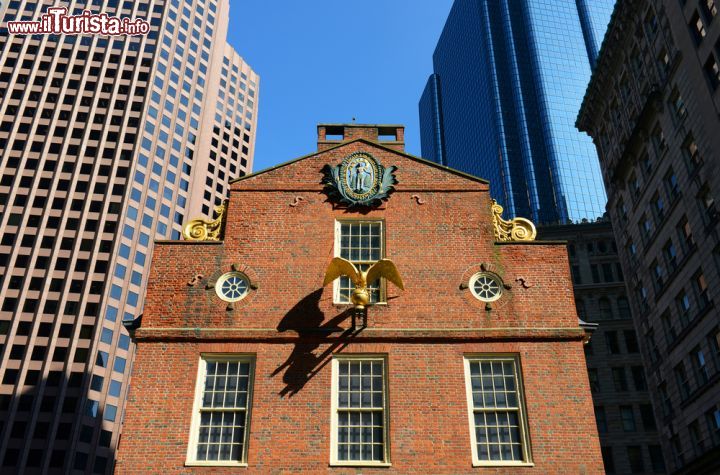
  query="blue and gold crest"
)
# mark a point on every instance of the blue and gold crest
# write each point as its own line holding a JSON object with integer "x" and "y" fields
{"x": 359, "y": 180}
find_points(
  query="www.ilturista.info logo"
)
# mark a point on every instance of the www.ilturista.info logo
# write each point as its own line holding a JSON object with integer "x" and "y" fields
{"x": 56, "y": 21}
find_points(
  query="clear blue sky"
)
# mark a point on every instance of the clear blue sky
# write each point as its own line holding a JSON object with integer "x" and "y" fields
{"x": 332, "y": 60}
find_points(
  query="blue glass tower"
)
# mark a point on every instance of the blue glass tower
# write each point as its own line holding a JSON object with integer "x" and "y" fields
{"x": 431, "y": 139}
{"x": 509, "y": 78}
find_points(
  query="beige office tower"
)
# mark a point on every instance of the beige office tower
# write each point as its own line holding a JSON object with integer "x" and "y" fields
{"x": 228, "y": 141}
{"x": 106, "y": 144}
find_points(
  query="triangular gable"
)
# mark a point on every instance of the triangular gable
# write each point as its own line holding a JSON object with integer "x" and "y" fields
{"x": 305, "y": 172}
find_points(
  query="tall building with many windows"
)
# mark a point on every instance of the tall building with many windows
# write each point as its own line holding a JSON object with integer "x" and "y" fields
{"x": 274, "y": 355}
{"x": 431, "y": 131}
{"x": 100, "y": 154}
{"x": 652, "y": 109}
{"x": 624, "y": 412}
{"x": 509, "y": 77}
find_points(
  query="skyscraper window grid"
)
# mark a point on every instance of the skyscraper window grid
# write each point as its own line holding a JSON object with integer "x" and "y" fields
{"x": 512, "y": 76}
{"x": 131, "y": 92}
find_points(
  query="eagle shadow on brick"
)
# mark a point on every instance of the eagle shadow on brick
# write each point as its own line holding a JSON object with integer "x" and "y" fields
{"x": 305, "y": 360}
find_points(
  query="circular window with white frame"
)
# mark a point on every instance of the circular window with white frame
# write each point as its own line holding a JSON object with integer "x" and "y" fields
{"x": 485, "y": 286}
{"x": 232, "y": 286}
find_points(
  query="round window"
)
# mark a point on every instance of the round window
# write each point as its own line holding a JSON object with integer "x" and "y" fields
{"x": 232, "y": 286}
{"x": 485, "y": 287}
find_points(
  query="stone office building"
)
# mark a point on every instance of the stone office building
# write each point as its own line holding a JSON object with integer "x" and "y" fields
{"x": 456, "y": 347}
{"x": 652, "y": 109}
{"x": 623, "y": 409}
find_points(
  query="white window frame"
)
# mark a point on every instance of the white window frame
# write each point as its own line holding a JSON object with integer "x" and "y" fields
{"x": 487, "y": 275}
{"x": 334, "y": 413}
{"x": 382, "y": 297}
{"x": 199, "y": 390}
{"x": 524, "y": 432}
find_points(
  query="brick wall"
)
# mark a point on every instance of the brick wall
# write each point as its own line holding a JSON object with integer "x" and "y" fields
{"x": 280, "y": 231}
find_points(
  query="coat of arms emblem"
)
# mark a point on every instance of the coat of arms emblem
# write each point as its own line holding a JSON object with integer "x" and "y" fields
{"x": 359, "y": 180}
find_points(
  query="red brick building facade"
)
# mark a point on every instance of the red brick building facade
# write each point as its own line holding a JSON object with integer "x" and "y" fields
{"x": 439, "y": 381}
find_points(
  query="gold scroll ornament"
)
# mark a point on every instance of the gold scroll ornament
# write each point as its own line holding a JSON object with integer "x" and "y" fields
{"x": 518, "y": 229}
{"x": 203, "y": 229}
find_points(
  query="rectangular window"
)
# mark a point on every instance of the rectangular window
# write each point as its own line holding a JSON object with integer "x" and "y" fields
{"x": 221, "y": 411}
{"x": 709, "y": 9}
{"x": 611, "y": 339}
{"x": 682, "y": 300}
{"x": 697, "y": 28}
{"x": 663, "y": 60}
{"x": 670, "y": 254}
{"x": 691, "y": 152}
{"x": 362, "y": 243}
{"x": 656, "y": 458}
{"x": 638, "y": 375}
{"x": 498, "y": 430}
{"x": 622, "y": 211}
{"x": 634, "y": 185}
{"x": 607, "y": 272}
{"x": 645, "y": 228}
{"x": 700, "y": 286}
{"x": 658, "y": 206}
{"x": 359, "y": 411}
{"x": 697, "y": 442}
{"x": 600, "y": 419}
{"x": 631, "y": 342}
{"x": 628, "y": 418}
{"x": 687, "y": 242}
{"x": 634, "y": 453}
{"x": 607, "y": 314}
{"x": 648, "y": 417}
{"x": 619, "y": 379}
{"x": 712, "y": 417}
{"x": 678, "y": 104}
{"x": 699, "y": 365}
{"x": 706, "y": 202}
{"x": 658, "y": 140}
{"x": 677, "y": 451}
{"x": 671, "y": 184}
{"x": 632, "y": 251}
{"x": 682, "y": 381}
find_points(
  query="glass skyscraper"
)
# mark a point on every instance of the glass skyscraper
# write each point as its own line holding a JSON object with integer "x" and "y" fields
{"x": 431, "y": 113}
{"x": 509, "y": 78}
{"x": 106, "y": 144}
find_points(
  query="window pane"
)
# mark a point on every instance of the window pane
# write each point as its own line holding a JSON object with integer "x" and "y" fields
{"x": 360, "y": 243}
{"x": 361, "y": 405}
{"x": 223, "y": 407}
{"x": 496, "y": 408}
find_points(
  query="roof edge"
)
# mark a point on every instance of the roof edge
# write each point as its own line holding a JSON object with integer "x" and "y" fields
{"x": 371, "y": 142}
{"x": 604, "y": 56}
{"x": 554, "y": 242}
{"x": 355, "y": 124}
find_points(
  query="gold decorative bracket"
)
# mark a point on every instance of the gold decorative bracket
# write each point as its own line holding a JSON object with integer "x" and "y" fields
{"x": 205, "y": 230}
{"x": 517, "y": 229}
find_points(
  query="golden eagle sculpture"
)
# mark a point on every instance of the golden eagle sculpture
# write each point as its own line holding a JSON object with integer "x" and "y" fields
{"x": 360, "y": 296}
